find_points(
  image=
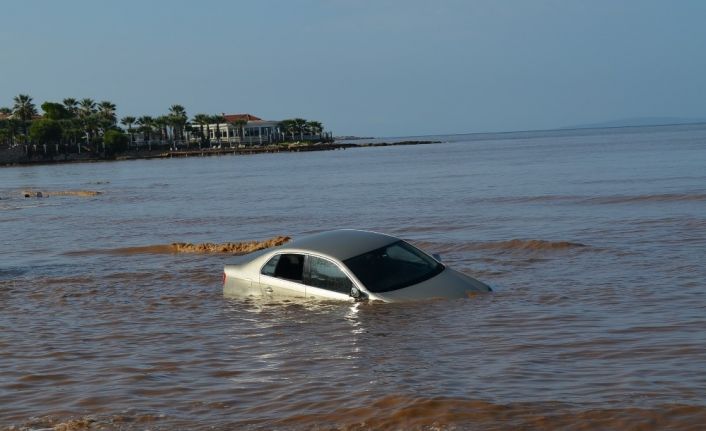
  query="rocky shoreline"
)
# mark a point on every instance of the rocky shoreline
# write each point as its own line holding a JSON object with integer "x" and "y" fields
{"x": 18, "y": 156}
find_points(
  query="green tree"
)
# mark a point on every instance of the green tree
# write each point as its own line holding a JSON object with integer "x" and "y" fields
{"x": 11, "y": 127}
{"x": 128, "y": 121}
{"x": 218, "y": 119}
{"x": 72, "y": 130}
{"x": 314, "y": 127}
{"x": 114, "y": 142}
{"x": 106, "y": 112}
{"x": 145, "y": 126}
{"x": 24, "y": 110}
{"x": 71, "y": 105}
{"x": 161, "y": 123}
{"x": 91, "y": 126}
{"x": 55, "y": 111}
{"x": 86, "y": 107}
{"x": 6, "y": 131}
{"x": 202, "y": 120}
{"x": 300, "y": 126}
{"x": 45, "y": 131}
{"x": 5, "y": 137}
{"x": 289, "y": 127}
{"x": 178, "y": 120}
{"x": 86, "y": 112}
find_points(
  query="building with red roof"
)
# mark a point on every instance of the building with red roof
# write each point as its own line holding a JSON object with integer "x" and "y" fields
{"x": 238, "y": 129}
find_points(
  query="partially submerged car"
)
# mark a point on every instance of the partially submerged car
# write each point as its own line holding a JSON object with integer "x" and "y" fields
{"x": 347, "y": 264}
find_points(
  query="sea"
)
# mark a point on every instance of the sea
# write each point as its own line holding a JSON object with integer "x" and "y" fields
{"x": 594, "y": 242}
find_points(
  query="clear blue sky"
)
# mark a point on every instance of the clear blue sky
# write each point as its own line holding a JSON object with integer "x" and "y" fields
{"x": 379, "y": 67}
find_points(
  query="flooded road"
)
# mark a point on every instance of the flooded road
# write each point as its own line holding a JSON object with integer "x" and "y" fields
{"x": 594, "y": 242}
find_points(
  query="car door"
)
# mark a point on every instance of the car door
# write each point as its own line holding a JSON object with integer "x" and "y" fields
{"x": 282, "y": 276}
{"x": 325, "y": 279}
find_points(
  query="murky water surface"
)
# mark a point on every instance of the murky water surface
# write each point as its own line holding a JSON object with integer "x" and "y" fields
{"x": 594, "y": 241}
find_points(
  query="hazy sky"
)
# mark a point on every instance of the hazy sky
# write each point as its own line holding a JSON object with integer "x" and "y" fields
{"x": 380, "y": 68}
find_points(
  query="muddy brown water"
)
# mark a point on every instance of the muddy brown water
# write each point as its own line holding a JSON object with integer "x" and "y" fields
{"x": 595, "y": 243}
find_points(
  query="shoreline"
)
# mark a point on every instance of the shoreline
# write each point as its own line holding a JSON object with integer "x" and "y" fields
{"x": 20, "y": 160}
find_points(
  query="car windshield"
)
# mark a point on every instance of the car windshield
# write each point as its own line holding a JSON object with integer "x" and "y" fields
{"x": 393, "y": 267}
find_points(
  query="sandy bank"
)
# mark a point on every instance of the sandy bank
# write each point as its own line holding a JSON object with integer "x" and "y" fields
{"x": 186, "y": 247}
{"x": 229, "y": 247}
{"x": 49, "y": 193}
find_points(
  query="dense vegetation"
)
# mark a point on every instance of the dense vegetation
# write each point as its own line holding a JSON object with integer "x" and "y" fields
{"x": 76, "y": 126}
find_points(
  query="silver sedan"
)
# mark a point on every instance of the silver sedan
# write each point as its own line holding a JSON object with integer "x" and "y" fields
{"x": 347, "y": 265}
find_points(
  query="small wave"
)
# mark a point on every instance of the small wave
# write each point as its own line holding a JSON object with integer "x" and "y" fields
{"x": 527, "y": 199}
{"x": 664, "y": 197}
{"x": 613, "y": 199}
{"x": 404, "y": 412}
{"x": 530, "y": 244}
{"x": 510, "y": 245}
{"x": 12, "y": 272}
{"x": 124, "y": 420}
{"x": 187, "y": 247}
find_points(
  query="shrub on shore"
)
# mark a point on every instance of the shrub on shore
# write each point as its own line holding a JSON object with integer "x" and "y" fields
{"x": 115, "y": 142}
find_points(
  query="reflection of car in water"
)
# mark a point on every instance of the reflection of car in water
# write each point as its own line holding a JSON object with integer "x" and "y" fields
{"x": 345, "y": 264}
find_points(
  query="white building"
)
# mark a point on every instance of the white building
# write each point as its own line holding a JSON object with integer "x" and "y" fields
{"x": 238, "y": 129}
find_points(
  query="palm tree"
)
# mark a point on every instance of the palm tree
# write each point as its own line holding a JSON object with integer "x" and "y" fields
{"x": 86, "y": 107}
{"x": 145, "y": 124}
{"x": 91, "y": 125}
{"x": 86, "y": 113}
{"x": 178, "y": 117}
{"x": 24, "y": 110}
{"x": 314, "y": 127}
{"x": 300, "y": 126}
{"x": 106, "y": 112}
{"x": 202, "y": 120}
{"x": 128, "y": 122}
{"x": 71, "y": 105}
{"x": 161, "y": 123}
{"x": 218, "y": 119}
{"x": 289, "y": 127}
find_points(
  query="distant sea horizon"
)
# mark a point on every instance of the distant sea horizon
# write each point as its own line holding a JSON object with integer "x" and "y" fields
{"x": 582, "y": 129}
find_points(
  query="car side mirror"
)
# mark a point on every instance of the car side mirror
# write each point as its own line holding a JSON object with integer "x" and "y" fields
{"x": 436, "y": 256}
{"x": 357, "y": 294}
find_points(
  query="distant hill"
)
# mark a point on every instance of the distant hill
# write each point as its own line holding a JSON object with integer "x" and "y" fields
{"x": 641, "y": 121}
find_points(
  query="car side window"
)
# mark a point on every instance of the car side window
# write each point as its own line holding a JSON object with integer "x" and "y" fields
{"x": 286, "y": 266}
{"x": 326, "y": 275}
{"x": 269, "y": 268}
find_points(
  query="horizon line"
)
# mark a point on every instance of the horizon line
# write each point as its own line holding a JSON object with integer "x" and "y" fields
{"x": 532, "y": 130}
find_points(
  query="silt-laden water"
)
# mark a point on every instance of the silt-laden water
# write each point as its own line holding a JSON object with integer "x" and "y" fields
{"x": 594, "y": 241}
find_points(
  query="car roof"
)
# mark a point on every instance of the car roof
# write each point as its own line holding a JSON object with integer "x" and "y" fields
{"x": 343, "y": 243}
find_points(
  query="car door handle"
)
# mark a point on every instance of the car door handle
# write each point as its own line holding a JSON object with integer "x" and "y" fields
{"x": 268, "y": 289}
